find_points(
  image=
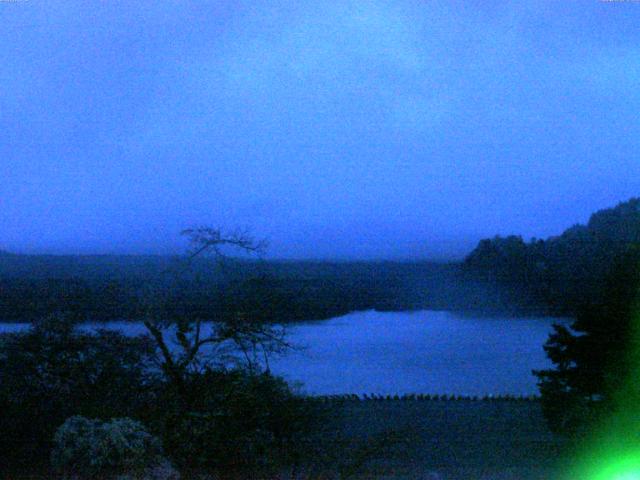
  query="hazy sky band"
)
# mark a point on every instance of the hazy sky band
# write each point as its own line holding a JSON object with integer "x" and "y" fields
{"x": 336, "y": 129}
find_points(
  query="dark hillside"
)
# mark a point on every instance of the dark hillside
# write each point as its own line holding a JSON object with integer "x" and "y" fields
{"x": 561, "y": 273}
{"x": 113, "y": 287}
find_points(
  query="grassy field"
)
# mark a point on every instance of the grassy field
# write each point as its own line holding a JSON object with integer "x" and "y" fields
{"x": 442, "y": 439}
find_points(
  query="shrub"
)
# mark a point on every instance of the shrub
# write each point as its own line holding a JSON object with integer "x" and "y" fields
{"x": 87, "y": 448}
{"x": 54, "y": 371}
{"x": 233, "y": 421}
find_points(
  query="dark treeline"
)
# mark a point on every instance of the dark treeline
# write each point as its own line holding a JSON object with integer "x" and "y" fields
{"x": 501, "y": 276}
{"x": 596, "y": 360}
{"x": 562, "y": 274}
{"x": 104, "y": 288}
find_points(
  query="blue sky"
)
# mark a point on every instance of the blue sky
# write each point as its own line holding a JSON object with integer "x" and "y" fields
{"x": 364, "y": 129}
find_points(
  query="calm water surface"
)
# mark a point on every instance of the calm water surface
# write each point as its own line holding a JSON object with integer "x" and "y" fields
{"x": 408, "y": 352}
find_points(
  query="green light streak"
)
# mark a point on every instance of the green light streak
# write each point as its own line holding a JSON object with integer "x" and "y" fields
{"x": 613, "y": 450}
{"x": 625, "y": 468}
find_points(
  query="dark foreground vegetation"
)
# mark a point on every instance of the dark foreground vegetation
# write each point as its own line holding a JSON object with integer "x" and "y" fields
{"x": 100, "y": 405}
{"x": 58, "y": 384}
{"x": 597, "y": 359}
{"x": 216, "y": 420}
{"x": 75, "y": 405}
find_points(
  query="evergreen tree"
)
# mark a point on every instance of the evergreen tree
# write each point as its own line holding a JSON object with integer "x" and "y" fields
{"x": 597, "y": 357}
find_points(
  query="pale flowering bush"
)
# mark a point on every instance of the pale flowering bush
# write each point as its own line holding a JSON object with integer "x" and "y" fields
{"x": 85, "y": 448}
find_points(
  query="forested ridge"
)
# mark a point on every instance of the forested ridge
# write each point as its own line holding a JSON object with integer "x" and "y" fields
{"x": 113, "y": 287}
{"x": 501, "y": 276}
{"x": 560, "y": 274}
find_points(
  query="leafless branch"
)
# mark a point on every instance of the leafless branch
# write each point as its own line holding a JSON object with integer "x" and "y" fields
{"x": 244, "y": 334}
{"x": 205, "y": 239}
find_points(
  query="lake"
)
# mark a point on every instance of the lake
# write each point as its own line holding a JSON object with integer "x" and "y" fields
{"x": 391, "y": 353}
